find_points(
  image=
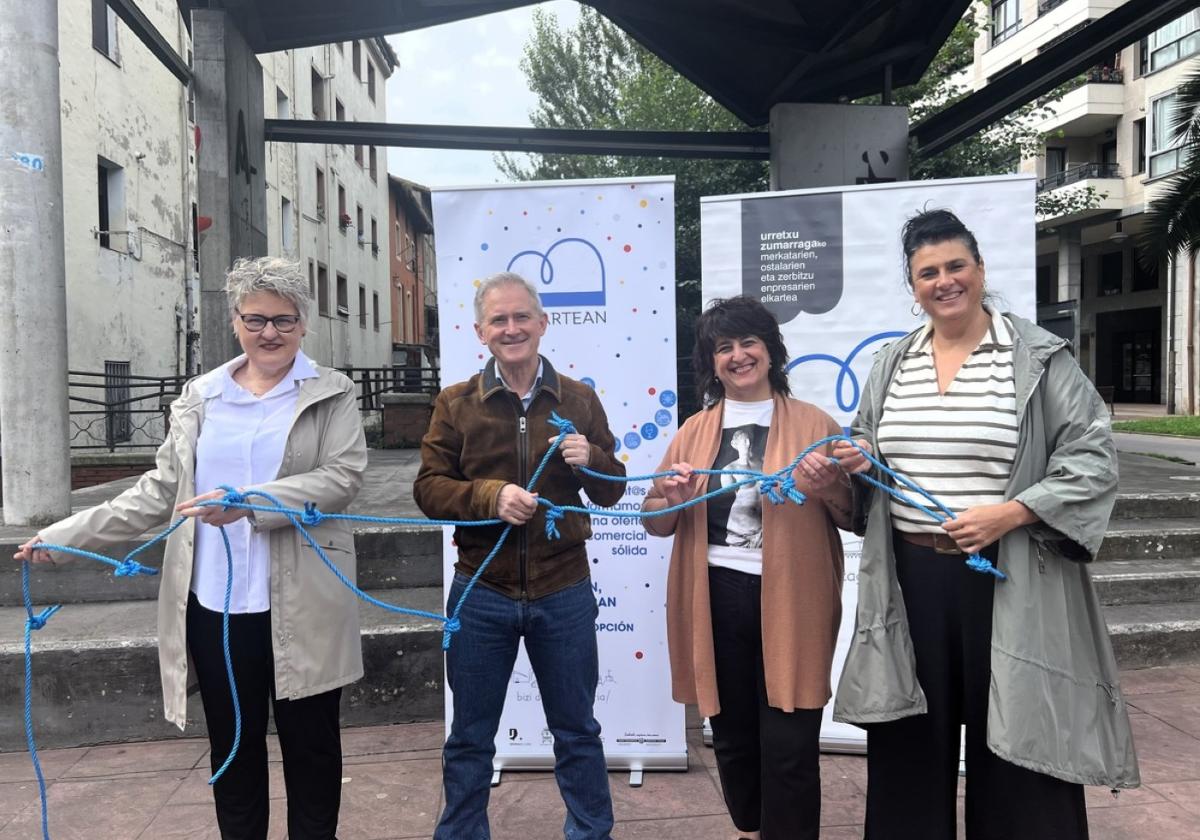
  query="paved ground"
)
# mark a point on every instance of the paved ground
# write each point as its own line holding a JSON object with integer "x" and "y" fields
{"x": 392, "y": 786}
{"x": 1176, "y": 447}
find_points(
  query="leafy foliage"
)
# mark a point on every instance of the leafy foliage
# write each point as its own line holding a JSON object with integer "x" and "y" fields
{"x": 595, "y": 76}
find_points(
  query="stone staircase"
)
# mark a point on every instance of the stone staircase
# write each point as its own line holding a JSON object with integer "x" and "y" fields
{"x": 96, "y": 668}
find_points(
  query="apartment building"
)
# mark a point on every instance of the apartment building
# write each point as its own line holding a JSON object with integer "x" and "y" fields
{"x": 132, "y": 218}
{"x": 327, "y": 206}
{"x": 1135, "y": 327}
{"x": 414, "y": 272}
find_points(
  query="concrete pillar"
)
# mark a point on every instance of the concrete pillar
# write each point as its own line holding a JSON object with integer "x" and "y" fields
{"x": 33, "y": 302}
{"x": 1070, "y": 274}
{"x": 232, "y": 186}
{"x": 820, "y": 145}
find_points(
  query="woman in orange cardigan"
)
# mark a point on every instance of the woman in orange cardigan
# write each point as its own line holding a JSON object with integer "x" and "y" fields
{"x": 753, "y": 610}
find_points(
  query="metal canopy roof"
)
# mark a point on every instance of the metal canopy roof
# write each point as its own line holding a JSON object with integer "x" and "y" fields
{"x": 747, "y": 54}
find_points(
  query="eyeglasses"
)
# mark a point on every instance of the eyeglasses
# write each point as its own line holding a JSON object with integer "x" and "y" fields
{"x": 258, "y": 323}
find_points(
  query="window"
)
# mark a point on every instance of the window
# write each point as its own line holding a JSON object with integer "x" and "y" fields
{"x": 322, "y": 290}
{"x": 1110, "y": 273}
{"x": 1174, "y": 42}
{"x": 373, "y": 157}
{"x": 362, "y": 306}
{"x": 359, "y": 227}
{"x": 118, "y": 418}
{"x": 312, "y": 279}
{"x": 287, "y": 225}
{"x": 283, "y": 105}
{"x": 374, "y": 236}
{"x": 343, "y": 296}
{"x": 195, "y": 237}
{"x": 371, "y": 79}
{"x": 358, "y": 154}
{"x": 191, "y": 93}
{"x": 1139, "y": 146}
{"x": 339, "y": 110}
{"x": 1045, "y": 284}
{"x": 1144, "y": 279}
{"x": 320, "y": 193}
{"x": 1056, "y": 161}
{"x": 1006, "y": 19}
{"x": 375, "y": 310}
{"x": 110, "y": 191}
{"x": 356, "y": 57}
{"x": 104, "y": 30}
{"x": 343, "y": 214}
{"x": 318, "y": 96}
{"x": 1164, "y": 145}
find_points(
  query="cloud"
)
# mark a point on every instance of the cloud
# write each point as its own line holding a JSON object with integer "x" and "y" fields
{"x": 463, "y": 73}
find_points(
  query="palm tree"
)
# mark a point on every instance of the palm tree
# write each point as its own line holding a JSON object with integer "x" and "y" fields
{"x": 1173, "y": 220}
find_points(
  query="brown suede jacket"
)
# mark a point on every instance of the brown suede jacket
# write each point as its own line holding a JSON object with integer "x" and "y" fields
{"x": 481, "y": 439}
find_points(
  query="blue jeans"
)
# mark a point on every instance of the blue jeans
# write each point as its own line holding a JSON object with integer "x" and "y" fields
{"x": 560, "y": 638}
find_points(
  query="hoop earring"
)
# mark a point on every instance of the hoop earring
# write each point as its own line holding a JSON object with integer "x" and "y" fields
{"x": 916, "y": 310}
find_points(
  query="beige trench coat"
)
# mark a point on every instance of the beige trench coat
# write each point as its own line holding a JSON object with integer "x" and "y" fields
{"x": 314, "y": 618}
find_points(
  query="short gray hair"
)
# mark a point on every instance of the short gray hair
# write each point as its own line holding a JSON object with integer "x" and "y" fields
{"x": 506, "y": 278}
{"x": 275, "y": 275}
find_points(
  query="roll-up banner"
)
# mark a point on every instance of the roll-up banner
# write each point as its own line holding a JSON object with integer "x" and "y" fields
{"x": 602, "y": 254}
{"x": 828, "y": 263}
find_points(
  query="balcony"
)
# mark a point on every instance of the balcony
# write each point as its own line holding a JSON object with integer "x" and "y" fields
{"x": 1093, "y": 102}
{"x": 1054, "y": 18}
{"x": 1104, "y": 178}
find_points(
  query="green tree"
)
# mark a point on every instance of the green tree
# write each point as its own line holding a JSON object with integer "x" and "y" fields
{"x": 1173, "y": 218}
{"x": 593, "y": 75}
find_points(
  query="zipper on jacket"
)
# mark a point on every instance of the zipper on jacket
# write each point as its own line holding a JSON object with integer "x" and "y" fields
{"x": 522, "y": 480}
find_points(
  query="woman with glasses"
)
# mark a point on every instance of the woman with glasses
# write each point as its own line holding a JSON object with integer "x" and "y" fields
{"x": 274, "y": 421}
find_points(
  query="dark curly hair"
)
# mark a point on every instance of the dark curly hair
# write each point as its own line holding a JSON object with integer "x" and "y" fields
{"x": 932, "y": 227}
{"x": 736, "y": 317}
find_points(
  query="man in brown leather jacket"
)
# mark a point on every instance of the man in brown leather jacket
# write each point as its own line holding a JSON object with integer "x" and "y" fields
{"x": 485, "y": 440}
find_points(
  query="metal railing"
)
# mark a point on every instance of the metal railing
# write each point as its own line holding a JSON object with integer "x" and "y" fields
{"x": 1076, "y": 174}
{"x": 1046, "y": 5}
{"x": 112, "y": 411}
{"x": 397, "y": 379}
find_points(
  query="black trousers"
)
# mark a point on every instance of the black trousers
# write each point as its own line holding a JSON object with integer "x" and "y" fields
{"x": 768, "y": 759}
{"x": 912, "y": 763}
{"x": 309, "y": 734}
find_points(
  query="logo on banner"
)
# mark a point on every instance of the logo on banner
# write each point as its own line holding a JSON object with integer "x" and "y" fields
{"x": 792, "y": 253}
{"x": 579, "y": 279}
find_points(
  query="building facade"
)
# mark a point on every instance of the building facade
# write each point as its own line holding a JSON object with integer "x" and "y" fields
{"x": 414, "y": 272}
{"x": 1134, "y": 327}
{"x": 131, "y": 213}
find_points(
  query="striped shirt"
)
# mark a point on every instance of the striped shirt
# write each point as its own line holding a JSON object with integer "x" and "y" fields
{"x": 958, "y": 445}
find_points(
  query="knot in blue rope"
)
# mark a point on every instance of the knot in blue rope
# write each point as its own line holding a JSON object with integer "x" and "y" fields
{"x": 788, "y": 488}
{"x": 769, "y": 487}
{"x": 231, "y": 497}
{"x": 453, "y": 625}
{"x": 37, "y": 622}
{"x": 311, "y": 516}
{"x": 978, "y": 563}
{"x": 553, "y": 514}
{"x": 563, "y": 425}
{"x": 129, "y": 568}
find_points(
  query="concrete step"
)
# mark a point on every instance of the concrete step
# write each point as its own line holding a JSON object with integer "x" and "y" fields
{"x": 1158, "y": 539}
{"x": 96, "y": 680}
{"x": 1147, "y": 581}
{"x": 1157, "y": 506}
{"x": 389, "y": 557}
{"x": 1150, "y": 635}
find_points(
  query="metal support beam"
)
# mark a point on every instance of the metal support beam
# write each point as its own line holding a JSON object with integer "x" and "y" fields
{"x": 727, "y": 145}
{"x": 128, "y": 11}
{"x": 1061, "y": 62}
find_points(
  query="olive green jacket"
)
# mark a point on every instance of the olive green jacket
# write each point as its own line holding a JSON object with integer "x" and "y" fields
{"x": 314, "y": 618}
{"x": 1055, "y": 705}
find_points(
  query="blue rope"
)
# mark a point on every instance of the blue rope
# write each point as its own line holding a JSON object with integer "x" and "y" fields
{"x": 779, "y": 487}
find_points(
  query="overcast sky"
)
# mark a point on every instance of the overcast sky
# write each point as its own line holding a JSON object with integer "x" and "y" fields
{"x": 462, "y": 73}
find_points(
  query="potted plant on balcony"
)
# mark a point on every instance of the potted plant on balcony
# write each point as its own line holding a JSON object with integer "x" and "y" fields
{"x": 344, "y": 221}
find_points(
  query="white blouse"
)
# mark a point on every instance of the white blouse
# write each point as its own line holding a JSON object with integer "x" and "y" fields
{"x": 241, "y": 445}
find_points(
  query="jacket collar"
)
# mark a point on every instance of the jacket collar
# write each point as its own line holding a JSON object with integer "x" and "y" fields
{"x": 319, "y": 386}
{"x": 490, "y": 383}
